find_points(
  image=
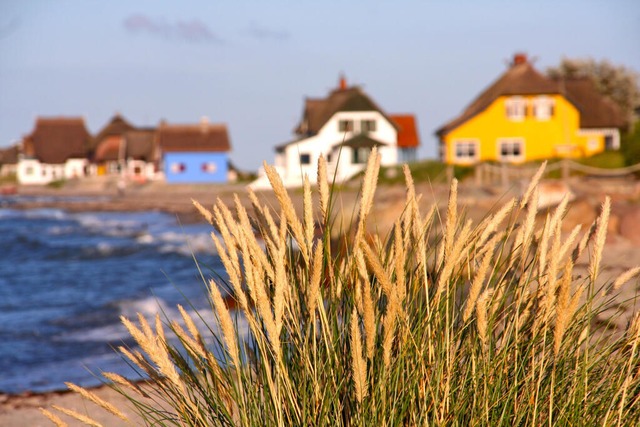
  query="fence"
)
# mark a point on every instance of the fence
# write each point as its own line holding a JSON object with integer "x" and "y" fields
{"x": 491, "y": 174}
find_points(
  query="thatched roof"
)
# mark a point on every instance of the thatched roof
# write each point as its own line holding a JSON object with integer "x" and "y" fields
{"x": 192, "y": 138}
{"x": 318, "y": 111}
{"x": 56, "y": 139}
{"x": 522, "y": 79}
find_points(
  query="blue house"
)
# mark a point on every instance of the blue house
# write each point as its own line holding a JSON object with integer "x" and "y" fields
{"x": 194, "y": 153}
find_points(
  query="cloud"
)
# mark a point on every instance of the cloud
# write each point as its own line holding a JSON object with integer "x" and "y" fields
{"x": 263, "y": 33}
{"x": 194, "y": 31}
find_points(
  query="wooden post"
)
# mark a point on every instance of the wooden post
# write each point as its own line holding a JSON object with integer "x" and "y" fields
{"x": 449, "y": 174}
{"x": 503, "y": 174}
{"x": 565, "y": 169}
{"x": 478, "y": 173}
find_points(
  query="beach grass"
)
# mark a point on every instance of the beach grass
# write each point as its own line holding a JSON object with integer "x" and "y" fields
{"x": 441, "y": 322}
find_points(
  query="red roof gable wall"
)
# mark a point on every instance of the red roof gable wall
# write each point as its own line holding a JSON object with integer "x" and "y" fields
{"x": 408, "y": 130}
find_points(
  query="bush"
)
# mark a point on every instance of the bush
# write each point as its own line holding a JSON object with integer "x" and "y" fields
{"x": 630, "y": 145}
{"x": 423, "y": 171}
{"x": 458, "y": 325}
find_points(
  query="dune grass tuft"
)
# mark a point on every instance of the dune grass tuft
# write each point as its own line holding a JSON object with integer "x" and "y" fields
{"x": 481, "y": 325}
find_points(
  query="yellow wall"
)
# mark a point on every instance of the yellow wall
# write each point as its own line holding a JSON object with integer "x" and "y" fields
{"x": 556, "y": 137}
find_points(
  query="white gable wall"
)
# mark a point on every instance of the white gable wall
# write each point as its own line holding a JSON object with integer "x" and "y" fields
{"x": 328, "y": 138}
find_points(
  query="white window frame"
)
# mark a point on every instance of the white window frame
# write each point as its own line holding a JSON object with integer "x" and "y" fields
{"x": 543, "y": 107}
{"x": 465, "y": 143}
{"x": 515, "y": 108}
{"x": 510, "y": 158}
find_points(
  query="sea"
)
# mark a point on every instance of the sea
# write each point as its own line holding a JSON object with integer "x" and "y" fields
{"x": 66, "y": 278}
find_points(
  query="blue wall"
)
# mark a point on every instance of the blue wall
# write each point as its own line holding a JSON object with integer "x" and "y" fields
{"x": 195, "y": 167}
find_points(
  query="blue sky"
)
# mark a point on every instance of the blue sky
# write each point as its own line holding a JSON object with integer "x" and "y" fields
{"x": 251, "y": 63}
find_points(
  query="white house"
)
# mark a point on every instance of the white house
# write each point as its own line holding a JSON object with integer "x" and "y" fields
{"x": 56, "y": 149}
{"x": 343, "y": 127}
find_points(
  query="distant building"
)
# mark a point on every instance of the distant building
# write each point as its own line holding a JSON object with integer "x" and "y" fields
{"x": 122, "y": 149}
{"x": 9, "y": 160}
{"x": 343, "y": 127}
{"x": 56, "y": 149}
{"x": 196, "y": 153}
{"x": 525, "y": 115}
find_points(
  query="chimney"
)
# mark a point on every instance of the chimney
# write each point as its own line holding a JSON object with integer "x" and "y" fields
{"x": 519, "y": 59}
{"x": 343, "y": 82}
{"x": 204, "y": 124}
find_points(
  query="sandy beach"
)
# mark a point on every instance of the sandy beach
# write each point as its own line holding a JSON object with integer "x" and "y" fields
{"x": 622, "y": 250}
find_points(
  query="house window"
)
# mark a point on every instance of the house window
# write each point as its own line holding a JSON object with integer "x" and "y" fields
{"x": 345, "y": 125}
{"x": 178, "y": 167}
{"x": 510, "y": 149}
{"x": 367, "y": 126}
{"x": 466, "y": 150}
{"x": 29, "y": 170}
{"x": 209, "y": 167}
{"x": 516, "y": 108}
{"x": 543, "y": 108}
{"x": 305, "y": 159}
{"x": 360, "y": 155}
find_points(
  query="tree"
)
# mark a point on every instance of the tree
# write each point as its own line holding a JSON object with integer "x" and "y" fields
{"x": 618, "y": 82}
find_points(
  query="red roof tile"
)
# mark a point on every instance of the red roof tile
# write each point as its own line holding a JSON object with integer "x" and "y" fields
{"x": 407, "y": 130}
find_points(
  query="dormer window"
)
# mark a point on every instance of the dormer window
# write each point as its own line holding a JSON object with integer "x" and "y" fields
{"x": 367, "y": 126}
{"x": 543, "y": 107}
{"x": 345, "y": 125}
{"x": 516, "y": 108}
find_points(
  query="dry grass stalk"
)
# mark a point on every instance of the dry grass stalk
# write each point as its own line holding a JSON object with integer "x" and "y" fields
{"x": 53, "y": 418}
{"x": 369, "y": 183}
{"x": 288, "y": 210}
{"x": 376, "y": 266}
{"x": 625, "y": 277}
{"x": 154, "y": 347}
{"x": 226, "y": 324}
{"x": 569, "y": 241}
{"x": 389, "y": 327}
{"x": 323, "y": 186}
{"x": 481, "y": 318}
{"x": 97, "y": 400}
{"x": 358, "y": 363}
{"x": 457, "y": 253}
{"x": 307, "y": 208}
{"x": 600, "y": 238}
{"x": 478, "y": 280}
{"x": 490, "y": 225}
{"x": 315, "y": 280}
{"x": 78, "y": 416}
{"x": 523, "y": 237}
{"x": 399, "y": 258}
{"x": 533, "y": 185}
{"x": 120, "y": 380}
{"x": 369, "y": 318}
{"x": 206, "y": 213}
{"x": 563, "y": 308}
{"x": 188, "y": 321}
{"x": 451, "y": 222}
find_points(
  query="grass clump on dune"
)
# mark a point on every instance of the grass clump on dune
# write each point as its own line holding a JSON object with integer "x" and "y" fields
{"x": 442, "y": 322}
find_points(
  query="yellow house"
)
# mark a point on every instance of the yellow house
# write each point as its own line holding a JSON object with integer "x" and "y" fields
{"x": 525, "y": 115}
